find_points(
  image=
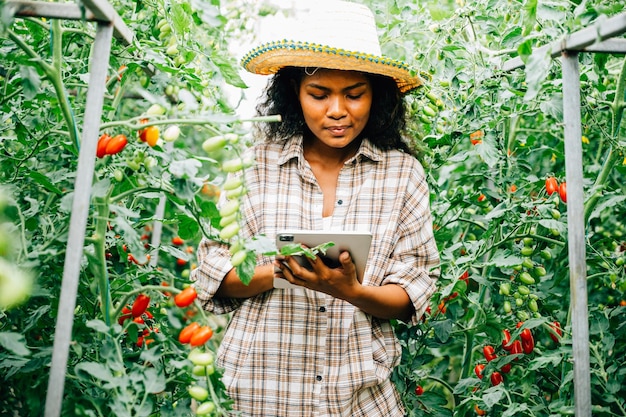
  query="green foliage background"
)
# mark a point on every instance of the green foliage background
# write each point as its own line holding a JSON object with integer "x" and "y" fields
{"x": 484, "y": 226}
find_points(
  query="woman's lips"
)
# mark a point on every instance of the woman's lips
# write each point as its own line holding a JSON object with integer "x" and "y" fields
{"x": 337, "y": 130}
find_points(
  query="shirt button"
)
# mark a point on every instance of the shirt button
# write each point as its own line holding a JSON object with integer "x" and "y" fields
{"x": 340, "y": 202}
{"x": 322, "y": 309}
{"x": 319, "y": 377}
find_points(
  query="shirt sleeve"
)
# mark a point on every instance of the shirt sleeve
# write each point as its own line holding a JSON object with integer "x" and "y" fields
{"x": 214, "y": 264}
{"x": 414, "y": 263}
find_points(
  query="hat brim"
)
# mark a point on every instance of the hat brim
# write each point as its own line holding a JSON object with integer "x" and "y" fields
{"x": 270, "y": 57}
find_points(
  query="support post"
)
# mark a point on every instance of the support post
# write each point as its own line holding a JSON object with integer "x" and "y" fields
{"x": 576, "y": 233}
{"x": 78, "y": 220}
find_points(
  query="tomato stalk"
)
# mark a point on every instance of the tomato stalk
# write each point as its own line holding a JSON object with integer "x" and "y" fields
{"x": 53, "y": 72}
{"x": 97, "y": 261}
{"x": 134, "y": 123}
{"x": 617, "y": 110}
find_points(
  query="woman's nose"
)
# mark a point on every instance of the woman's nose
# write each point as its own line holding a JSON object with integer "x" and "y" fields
{"x": 336, "y": 108}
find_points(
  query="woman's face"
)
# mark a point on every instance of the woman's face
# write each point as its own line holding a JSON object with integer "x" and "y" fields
{"x": 336, "y": 105}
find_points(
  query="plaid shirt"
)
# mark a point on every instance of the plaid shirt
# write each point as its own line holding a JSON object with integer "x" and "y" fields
{"x": 303, "y": 353}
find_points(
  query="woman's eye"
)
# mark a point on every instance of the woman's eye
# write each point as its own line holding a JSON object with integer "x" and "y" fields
{"x": 355, "y": 97}
{"x": 316, "y": 97}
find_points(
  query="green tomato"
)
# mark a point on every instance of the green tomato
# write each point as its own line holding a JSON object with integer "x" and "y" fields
{"x": 540, "y": 271}
{"x": 527, "y": 251}
{"x": 230, "y": 207}
{"x": 232, "y": 183}
{"x": 118, "y": 174}
{"x": 229, "y": 231}
{"x": 507, "y": 306}
{"x": 526, "y": 278}
{"x": 205, "y": 408}
{"x": 238, "y": 258}
{"x": 528, "y": 263}
{"x": 201, "y": 358}
{"x": 532, "y": 305}
{"x": 15, "y": 285}
{"x": 232, "y": 165}
{"x": 214, "y": 143}
{"x": 505, "y": 288}
{"x": 524, "y": 290}
{"x": 198, "y": 393}
{"x": 198, "y": 370}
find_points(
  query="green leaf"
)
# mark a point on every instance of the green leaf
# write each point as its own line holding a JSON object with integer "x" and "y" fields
{"x": 14, "y": 342}
{"x": 537, "y": 70}
{"x": 98, "y": 325}
{"x": 493, "y": 395}
{"x": 97, "y": 370}
{"x": 443, "y": 329}
{"x": 228, "y": 71}
{"x": 487, "y": 151}
{"x": 188, "y": 228}
{"x": 45, "y": 182}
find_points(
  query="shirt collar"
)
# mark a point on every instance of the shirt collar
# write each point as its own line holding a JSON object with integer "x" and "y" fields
{"x": 293, "y": 149}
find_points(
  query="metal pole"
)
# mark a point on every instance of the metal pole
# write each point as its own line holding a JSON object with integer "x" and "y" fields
{"x": 576, "y": 233}
{"x": 78, "y": 221}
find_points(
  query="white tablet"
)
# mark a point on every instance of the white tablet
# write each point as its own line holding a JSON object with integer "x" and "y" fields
{"x": 357, "y": 243}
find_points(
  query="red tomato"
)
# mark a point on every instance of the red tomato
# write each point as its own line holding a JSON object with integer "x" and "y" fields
{"x": 201, "y": 336}
{"x": 102, "y": 145}
{"x": 490, "y": 353}
{"x": 181, "y": 262}
{"x": 177, "y": 241}
{"x": 506, "y": 368}
{"x": 528, "y": 342}
{"x": 126, "y": 314}
{"x": 185, "y": 297}
{"x": 419, "y": 390}
{"x": 140, "y": 305}
{"x": 496, "y": 378}
{"x": 478, "y": 370}
{"x": 506, "y": 340}
{"x": 116, "y": 144}
{"x": 563, "y": 192}
{"x": 552, "y": 185}
{"x": 516, "y": 348}
{"x": 556, "y": 327}
{"x": 185, "y": 335}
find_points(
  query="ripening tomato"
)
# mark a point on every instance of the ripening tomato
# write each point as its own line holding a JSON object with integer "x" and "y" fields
{"x": 563, "y": 192}
{"x": 140, "y": 305}
{"x": 185, "y": 335}
{"x": 176, "y": 240}
{"x": 552, "y": 185}
{"x": 185, "y": 297}
{"x": 102, "y": 145}
{"x": 150, "y": 135}
{"x": 201, "y": 336}
{"x": 116, "y": 144}
{"x": 479, "y": 411}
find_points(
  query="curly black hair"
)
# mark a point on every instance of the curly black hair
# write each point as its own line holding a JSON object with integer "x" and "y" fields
{"x": 385, "y": 127}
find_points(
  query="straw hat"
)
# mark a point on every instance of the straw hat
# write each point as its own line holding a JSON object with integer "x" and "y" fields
{"x": 330, "y": 34}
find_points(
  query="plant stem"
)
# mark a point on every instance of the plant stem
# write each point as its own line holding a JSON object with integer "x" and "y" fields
{"x": 99, "y": 259}
{"x": 611, "y": 159}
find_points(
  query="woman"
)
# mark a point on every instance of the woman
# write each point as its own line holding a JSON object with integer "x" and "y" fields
{"x": 337, "y": 161}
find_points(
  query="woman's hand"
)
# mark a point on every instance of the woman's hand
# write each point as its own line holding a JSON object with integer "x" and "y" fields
{"x": 385, "y": 302}
{"x": 340, "y": 282}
